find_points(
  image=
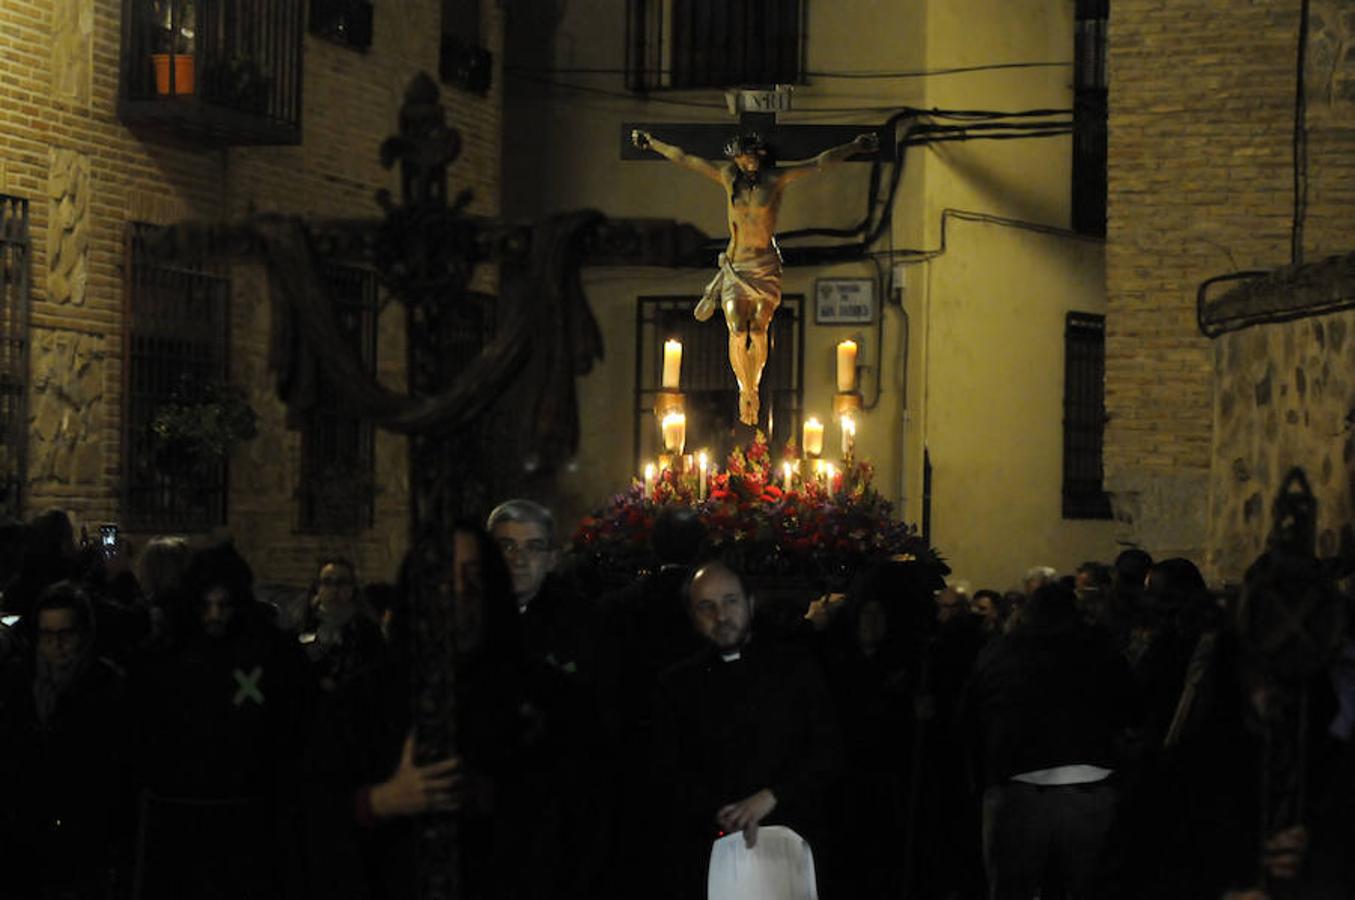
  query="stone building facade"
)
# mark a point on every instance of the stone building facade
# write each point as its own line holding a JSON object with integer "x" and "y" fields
{"x": 1202, "y": 182}
{"x": 86, "y": 175}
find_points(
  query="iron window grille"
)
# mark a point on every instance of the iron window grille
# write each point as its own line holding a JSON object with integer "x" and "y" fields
{"x": 15, "y": 285}
{"x": 337, "y": 486}
{"x": 1084, "y": 417}
{"x": 347, "y": 23}
{"x": 177, "y": 332}
{"x": 463, "y": 60}
{"x": 223, "y": 72}
{"x": 674, "y": 44}
{"x": 1090, "y": 111}
{"x": 711, "y": 393}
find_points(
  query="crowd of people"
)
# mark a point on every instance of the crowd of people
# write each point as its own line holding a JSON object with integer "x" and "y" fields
{"x": 167, "y": 733}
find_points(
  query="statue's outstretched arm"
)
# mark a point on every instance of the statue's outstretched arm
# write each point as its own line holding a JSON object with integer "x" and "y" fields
{"x": 863, "y": 143}
{"x": 646, "y": 141}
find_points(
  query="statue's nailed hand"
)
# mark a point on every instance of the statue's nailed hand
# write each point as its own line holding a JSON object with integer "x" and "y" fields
{"x": 867, "y": 143}
{"x": 640, "y": 138}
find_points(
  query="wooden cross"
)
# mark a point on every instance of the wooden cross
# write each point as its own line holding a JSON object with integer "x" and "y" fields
{"x": 757, "y": 111}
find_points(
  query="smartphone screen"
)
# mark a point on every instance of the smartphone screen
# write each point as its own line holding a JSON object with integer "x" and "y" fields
{"x": 10, "y": 621}
{"x": 108, "y": 538}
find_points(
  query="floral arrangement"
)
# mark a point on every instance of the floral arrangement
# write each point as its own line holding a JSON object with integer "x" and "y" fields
{"x": 822, "y": 526}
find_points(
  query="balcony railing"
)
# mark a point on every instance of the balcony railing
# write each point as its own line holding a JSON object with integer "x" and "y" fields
{"x": 224, "y": 72}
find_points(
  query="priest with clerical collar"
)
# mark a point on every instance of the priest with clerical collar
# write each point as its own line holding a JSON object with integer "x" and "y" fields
{"x": 745, "y": 734}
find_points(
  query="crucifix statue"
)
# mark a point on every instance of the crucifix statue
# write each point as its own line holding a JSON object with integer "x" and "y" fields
{"x": 748, "y": 284}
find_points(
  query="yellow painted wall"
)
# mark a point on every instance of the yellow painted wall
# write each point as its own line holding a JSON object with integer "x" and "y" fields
{"x": 994, "y": 400}
{"x": 1027, "y": 180}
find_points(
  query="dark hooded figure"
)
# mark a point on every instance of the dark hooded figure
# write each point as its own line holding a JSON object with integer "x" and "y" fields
{"x": 645, "y": 630}
{"x": 875, "y": 659}
{"x": 369, "y": 795}
{"x": 49, "y": 555}
{"x": 63, "y": 727}
{"x": 224, "y": 713}
{"x": 1191, "y": 810}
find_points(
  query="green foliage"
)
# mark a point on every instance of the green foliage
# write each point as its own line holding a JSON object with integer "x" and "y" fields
{"x": 202, "y": 422}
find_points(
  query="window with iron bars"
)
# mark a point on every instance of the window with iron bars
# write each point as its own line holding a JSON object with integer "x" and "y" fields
{"x": 711, "y": 395}
{"x": 176, "y": 336}
{"x": 15, "y": 261}
{"x": 347, "y": 23}
{"x": 463, "y": 60}
{"x": 1084, "y": 417}
{"x": 673, "y": 44}
{"x": 1090, "y": 140}
{"x": 337, "y": 491}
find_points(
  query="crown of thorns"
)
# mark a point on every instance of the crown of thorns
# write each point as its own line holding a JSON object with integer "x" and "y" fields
{"x": 746, "y": 144}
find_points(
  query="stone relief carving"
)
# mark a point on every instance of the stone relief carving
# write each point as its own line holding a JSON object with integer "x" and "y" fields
{"x": 68, "y": 228}
{"x": 65, "y": 446}
{"x": 73, "y": 50}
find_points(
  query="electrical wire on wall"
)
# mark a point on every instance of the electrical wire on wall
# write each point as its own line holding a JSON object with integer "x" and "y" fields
{"x": 1300, "y": 184}
{"x": 1300, "y": 141}
{"x": 906, "y": 127}
{"x": 909, "y": 128}
{"x": 862, "y": 75}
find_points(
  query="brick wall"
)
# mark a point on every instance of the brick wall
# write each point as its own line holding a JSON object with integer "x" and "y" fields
{"x": 1201, "y": 118}
{"x": 1202, "y": 112}
{"x": 86, "y": 176}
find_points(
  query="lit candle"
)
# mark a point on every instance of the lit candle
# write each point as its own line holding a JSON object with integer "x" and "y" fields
{"x": 846, "y": 366}
{"x": 672, "y": 364}
{"x": 831, "y": 472}
{"x": 813, "y": 437}
{"x": 786, "y": 470}
{"x": 649, "y": 479}
{"x": 848, "y": 436}
{"x": 702, "y": 462}
{"x": 674, "y": 431}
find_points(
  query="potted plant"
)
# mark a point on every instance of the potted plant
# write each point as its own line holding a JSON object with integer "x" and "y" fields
{"x": 201, "y": 423}
{"x": 174, "y": 37}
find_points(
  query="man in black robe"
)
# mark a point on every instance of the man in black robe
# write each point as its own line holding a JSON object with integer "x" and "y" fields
{"x": 744, "y": 735}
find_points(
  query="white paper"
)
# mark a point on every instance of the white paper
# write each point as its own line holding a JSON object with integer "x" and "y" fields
{"x": 780, "y": 867}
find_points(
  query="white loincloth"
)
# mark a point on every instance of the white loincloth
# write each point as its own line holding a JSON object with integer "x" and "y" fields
{"x": 743, "y": 285}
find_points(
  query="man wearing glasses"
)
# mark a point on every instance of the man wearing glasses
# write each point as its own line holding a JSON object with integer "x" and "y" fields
{"x": 558, "y": 809}
{"x": 63, "y": 727}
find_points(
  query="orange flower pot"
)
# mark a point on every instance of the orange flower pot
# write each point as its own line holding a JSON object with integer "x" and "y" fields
{"x": 183, "y": 72}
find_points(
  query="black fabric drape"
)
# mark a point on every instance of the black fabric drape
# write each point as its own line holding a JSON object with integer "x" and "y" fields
{"x": 548, "y": 335}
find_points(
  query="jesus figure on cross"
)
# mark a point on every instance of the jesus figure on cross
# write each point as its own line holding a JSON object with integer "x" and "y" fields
{"x": 748, "y": 285}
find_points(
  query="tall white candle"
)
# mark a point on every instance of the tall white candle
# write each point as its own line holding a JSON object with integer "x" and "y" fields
{"x": 846, "y": 366}
{"x": 672, "y": 364}
{"x": 786, "y": 470}
{"x": 848, "y": 436}
{"x": 649, "y": 479}
{"x": 674, "y": 432}
{"x": 813, "y": 439}
{"x": 701, "y": 485}
{"x": 828, "y": 486}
